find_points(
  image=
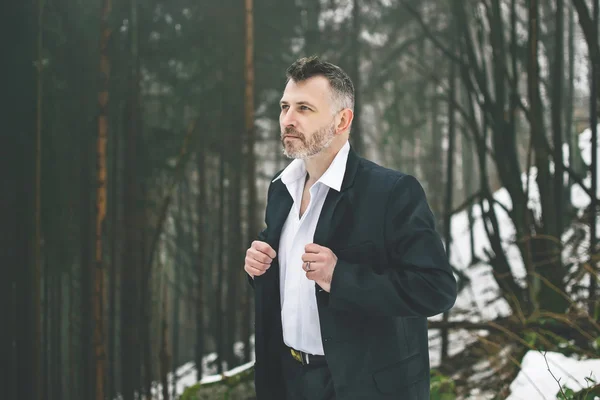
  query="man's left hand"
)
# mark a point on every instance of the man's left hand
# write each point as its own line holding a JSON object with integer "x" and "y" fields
{"x": 319, "y": 262}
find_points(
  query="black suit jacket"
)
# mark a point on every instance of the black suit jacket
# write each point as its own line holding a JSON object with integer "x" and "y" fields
{"x": 392, "y": 273}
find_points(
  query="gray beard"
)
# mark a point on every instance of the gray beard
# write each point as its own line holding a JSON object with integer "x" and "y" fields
{"x": 319, "y": 141}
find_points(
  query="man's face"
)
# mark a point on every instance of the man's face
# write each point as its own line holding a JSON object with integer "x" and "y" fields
{"x": 307, "y": 121}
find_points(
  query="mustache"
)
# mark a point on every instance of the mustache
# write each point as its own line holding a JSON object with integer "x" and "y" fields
{"x": 292, "y": 131}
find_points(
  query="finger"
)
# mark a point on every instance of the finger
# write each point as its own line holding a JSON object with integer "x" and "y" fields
{"x": 306, "y": 266}
{"x": 314, "y": 267}
{"x": 313, "y": 248}
{"x": 253, "y": 271}
{"x": 256, "y": 264}
{"x": 259, "y": 256}
{"x": 311, "y": 275}
{"x": 309, "y": 257}
{"x": 264, "y": 248}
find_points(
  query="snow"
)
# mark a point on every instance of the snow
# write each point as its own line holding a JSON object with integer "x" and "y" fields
{"x": 186, "y": 374}
{"x": 535, "y": 382}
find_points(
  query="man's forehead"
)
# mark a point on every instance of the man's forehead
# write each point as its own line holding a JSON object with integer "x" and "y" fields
{"x": 315, "y": 89}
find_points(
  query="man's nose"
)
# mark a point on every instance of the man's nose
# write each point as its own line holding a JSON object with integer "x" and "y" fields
{"x": 288, "y": 118}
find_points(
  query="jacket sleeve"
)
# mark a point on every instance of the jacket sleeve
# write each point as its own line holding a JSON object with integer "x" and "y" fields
{"x": 262, "y": 235}
{"x": 418, "y": 281}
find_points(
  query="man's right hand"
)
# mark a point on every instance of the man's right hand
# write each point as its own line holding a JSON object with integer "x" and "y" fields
{"x": 258, "y": 258}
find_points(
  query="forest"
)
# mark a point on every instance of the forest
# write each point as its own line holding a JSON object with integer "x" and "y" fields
{"x": 142, "y": 137}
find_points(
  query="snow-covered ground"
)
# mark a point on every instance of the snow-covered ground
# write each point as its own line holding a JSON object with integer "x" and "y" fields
{"x": 479, "y": 301}
{"x": 535, "y": 380}
{"x": 186, "y": 374}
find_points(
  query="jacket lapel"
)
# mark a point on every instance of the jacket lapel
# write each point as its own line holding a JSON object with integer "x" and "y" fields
{"x": 337, "y": 203}
{"x": 280, "y": 205}
{"x": 278, "y": 209}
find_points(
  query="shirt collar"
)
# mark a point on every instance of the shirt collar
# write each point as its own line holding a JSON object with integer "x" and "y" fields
{"x": 333, "y": 176}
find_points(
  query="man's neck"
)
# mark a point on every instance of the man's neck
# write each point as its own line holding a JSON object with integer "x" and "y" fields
{"x": 318, "y": 164}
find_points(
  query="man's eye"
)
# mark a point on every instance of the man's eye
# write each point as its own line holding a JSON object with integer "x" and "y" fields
{"x": 304, "y": 108}
{"x": 284, "y": 106}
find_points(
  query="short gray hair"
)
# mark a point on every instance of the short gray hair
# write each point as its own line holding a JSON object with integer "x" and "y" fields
{"x": 342, "y": 87}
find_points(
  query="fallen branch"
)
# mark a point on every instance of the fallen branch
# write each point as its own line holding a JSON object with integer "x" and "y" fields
{"x": 561, "y": 326}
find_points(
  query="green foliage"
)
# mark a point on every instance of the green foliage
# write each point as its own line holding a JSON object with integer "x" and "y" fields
{"x": 229, "y": 388}
{"x": 441, "y": 387}
{"x": 596, "y": 344}
{"x": 190, "y": 393}
{"x": 531, "y": 338}
{"x": 570, "y": 394}
{"x": 566, "y": 393}
{"x": 589, "y": 393}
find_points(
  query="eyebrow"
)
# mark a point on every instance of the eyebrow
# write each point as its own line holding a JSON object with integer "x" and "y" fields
{"x": 301, "y": 103}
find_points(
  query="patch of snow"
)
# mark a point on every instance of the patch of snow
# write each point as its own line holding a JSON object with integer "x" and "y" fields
{"x": 535, "y": 382}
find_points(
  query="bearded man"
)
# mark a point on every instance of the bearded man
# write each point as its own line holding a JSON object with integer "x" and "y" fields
{"x": 349, "y": 265}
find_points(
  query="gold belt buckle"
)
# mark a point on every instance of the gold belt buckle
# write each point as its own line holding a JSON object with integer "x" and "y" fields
{"x": 297, "y": 356}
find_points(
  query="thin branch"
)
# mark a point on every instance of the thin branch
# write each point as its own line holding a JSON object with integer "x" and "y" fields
{"x": 557, "y": 380}
{"x": 513, "y": 360}
{"x": 472, "y": 124}
{"x": 508, "y": 212}
{"x": 468, "y": 201}
{"x": 431, "y": 36}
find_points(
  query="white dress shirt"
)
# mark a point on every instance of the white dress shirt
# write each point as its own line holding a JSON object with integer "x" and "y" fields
{"x": 299, "y": 313}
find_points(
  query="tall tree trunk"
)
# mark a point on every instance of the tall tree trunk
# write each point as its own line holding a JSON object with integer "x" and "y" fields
{"x": 219, "y": 334}
{"x": 56, "y": 371}
{"x": 211, "y": 286}
{"x": 433, "y": 162}
{"x": 70, "y": 341}
{"x": 356, "y": 135}
{"x": 87, "y": 233}
{"x": 164, "y": 348}
{"x": 146, "y": 298}
{"x": 546, "y": 253}
{"x": 247, "y": 308}
{"x": 235, "y": 241}
{"x": 17, "y": 213}
{"x": 46, "y": 344}
{"x": 449, "y": 181}
{"x": 595, "y": 70}
{"x": 130, "y": 318}
{"x": 570, "y": 89}
{"x": 468, "y": 177}
{"x": 176, "y": 301}
{"x": 114, "y": 246}
{"x": 312, "y": 33}
{"x": 200, "y": 257}
{"x": 237, "y": 133}
{"x": 98, "y": 265}
{"x": 175, "y": 340}
{"x": 590, "y": 32}
{"x": 37, "y": 244}
{"x": 557, "y": 113}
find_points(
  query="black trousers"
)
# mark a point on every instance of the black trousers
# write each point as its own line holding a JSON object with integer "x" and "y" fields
{"x": 306, "y": 382}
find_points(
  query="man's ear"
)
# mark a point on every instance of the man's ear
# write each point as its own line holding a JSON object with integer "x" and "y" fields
{"x": 343, "y": 120}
